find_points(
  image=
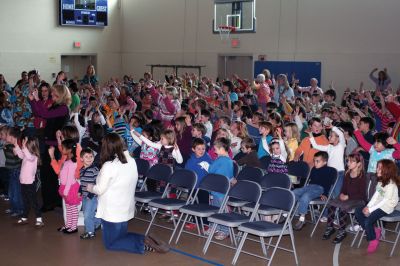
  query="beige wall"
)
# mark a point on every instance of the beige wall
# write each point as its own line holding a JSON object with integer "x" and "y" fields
{"x": 31, "y": 38}
{"x": 349, "y": 37}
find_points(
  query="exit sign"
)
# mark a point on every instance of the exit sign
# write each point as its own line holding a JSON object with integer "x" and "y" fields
{"x": 77, "y": 44}
{"x": 235, "y": 43}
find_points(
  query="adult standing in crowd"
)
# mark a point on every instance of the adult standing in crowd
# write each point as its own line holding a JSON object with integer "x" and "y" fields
{"x": 115, "y": 187}
{"x": 383, "y": 80}
{"x": 90, "y": 77}
{"x": 56, "y": 116}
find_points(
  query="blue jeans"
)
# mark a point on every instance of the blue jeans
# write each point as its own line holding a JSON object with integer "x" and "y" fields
{"x": 306, "y": 194}
{"x": 14, "y": 191}
{"x": 339, "y": 184}
{"x": 117, "y": 238}
{"x": 217, "y": 200}
{"x": 89, "y": 212}
{"x": 367, "y": 223}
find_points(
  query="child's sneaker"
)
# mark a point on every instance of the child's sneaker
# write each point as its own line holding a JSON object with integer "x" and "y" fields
{"x": 372, "y": 246}
{"x": 221, "y": 236}
{"x": 323, "y": 219}
{"x": 355, "y": 228}
{"x": 8, "y": 211}
{"x": 87, "y": 235}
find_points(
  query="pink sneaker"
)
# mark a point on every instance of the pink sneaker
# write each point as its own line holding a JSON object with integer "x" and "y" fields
{"x": 378, "y": 233}
{"x": 372, "y": 246}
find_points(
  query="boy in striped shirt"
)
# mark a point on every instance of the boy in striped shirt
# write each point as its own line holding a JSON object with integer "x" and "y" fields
{"x": 88, "y": 175}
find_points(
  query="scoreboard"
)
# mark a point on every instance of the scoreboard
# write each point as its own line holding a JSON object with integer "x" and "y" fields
{"x": 83, "y": 13}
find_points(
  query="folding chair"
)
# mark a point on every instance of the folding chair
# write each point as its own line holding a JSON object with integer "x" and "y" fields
{"x": 280, "y": 199}
{"x": 247, "y": 173}
{"x": 299, "y": 169}
{"x": 210, "y": 183}
{"x": 244, "y": 190}
{"x": 269, "y": 181}
{"x": 143, "y": 167}
{"x": 319, "y": 202}
{"x": 158, "y": 173}
{"x": 181, "y": 178}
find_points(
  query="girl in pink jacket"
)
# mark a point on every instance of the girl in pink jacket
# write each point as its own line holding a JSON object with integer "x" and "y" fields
{"x": 30, "y": 158}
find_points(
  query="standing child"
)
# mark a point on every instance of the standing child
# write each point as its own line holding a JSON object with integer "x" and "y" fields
{"x": 88, "y": 175}
{"x": 69, "y": 187}
{"x": 147, "y": 152}
{"x": 353, "y": 195}
{"x": 382, "y": 203}
{"x": 292, "y": 137}
{"x": 265, "y": 130}
{"x": 30, "y": 155}
{"x": 223, "y": 165}
{"x": 13, "y": 166}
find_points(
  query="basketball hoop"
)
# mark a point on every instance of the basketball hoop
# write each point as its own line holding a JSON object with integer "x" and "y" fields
{"x": 225, "y": 31}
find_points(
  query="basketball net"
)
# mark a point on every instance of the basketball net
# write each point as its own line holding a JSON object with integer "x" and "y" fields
{"x": 225, "y": 32}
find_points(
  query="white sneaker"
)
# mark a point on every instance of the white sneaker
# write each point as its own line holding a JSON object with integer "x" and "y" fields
{"x": 355, "y": 228}
{"x": 335, "y": 222}
{"x": 323, "y": 219}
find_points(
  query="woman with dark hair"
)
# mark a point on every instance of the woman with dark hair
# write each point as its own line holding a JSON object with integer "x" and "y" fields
{"x": 115, "y": 187}
{"x": 383, "y": 80}
{"x": 56, "y": 116}
{"x": 4, "y": 85}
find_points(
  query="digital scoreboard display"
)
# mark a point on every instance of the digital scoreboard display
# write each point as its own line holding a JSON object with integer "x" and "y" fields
{"x": 83, "y": 13}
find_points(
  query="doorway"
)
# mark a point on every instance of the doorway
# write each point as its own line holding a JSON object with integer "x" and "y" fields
{"x": 75, "y": 65}
{"x": 229, "y": 64}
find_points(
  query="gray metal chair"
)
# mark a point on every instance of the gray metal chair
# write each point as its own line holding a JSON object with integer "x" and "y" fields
{"x": 209, "y": 183}
{"x": 181, "y": 178}
{"x": 280, "y": 199}
{"x": 243, "y": 190}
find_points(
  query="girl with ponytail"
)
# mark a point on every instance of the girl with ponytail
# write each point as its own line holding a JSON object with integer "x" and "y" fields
{"x": 69, "y": 187}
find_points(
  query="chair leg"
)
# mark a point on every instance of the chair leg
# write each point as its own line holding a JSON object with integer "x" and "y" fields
{"x": 210, "y": 236}
{"x": 175, "y": 229}
{"x": 153, "y": 216}
{"x": 233, "y": 236}
{"x": 396, "y": 241}
{"x": 197, "y": 225}
{"x": 239, "y": 248}
{"x": 264, "y": 250}
{"x": 180, "y": 231}
{"x": 275, "y": 248}
{"x": 317, "y": 222}
{"x": 361, "y": 238}
{"x": 293, "y": 243}
{"x": 355, "y": 238}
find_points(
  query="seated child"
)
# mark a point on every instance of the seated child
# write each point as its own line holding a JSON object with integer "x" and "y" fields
{"x": 322, "y": 178}
{"x": 250, "y": 158}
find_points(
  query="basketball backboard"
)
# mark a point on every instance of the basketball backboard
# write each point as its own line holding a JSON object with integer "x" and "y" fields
{"x": 240, "y": 14}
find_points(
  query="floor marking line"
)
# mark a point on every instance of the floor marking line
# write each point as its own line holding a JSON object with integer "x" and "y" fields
{"x": 196, "y": 257}
{"x": 336, "y": 254}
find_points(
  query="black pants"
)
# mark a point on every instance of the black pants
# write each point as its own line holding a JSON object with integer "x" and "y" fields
{"x": 204, "y": 198}
{"x": 30, "y": 200}
{"x": 49, "y": 178}
{"x": 4, "y": 178}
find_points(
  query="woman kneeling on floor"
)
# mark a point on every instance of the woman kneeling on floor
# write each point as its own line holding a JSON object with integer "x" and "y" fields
{"x": 115, "y": 187}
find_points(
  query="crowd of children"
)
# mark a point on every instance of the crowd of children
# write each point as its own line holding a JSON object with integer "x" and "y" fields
{"x": 205, "y": 126}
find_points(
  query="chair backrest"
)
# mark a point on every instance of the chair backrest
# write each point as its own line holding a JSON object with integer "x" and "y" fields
{"x": 278, "y": 198}
{"x": 235, "y": 169}
{"x": 300, "y": 169}
{"x": 251, "y": 174}
{"x": 275, "y": 180}
{"x": 159, "y": 172}
{"x": 265, "y": 161}
{"x": 183, "y": 178}
{"x": 215, "y": 183}
{"x": 143, "y": 166}
{"x": 246, "y": 190}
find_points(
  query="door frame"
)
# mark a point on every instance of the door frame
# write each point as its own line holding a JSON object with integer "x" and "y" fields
{"x": 235, "y": 54}
{"x": 83, "y": 54}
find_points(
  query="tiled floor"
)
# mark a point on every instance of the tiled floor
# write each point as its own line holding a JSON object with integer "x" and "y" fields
{"x": 24, "y": 245}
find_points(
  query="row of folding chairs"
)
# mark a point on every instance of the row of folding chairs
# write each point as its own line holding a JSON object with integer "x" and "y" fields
{"x": 248, "y": 191}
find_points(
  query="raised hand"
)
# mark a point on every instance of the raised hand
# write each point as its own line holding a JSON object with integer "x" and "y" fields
{"x": 51, "y": 152}
{"x": 24, "y": 141}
